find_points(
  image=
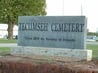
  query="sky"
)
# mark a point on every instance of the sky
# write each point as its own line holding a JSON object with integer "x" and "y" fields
{"x": 88, "y": 8}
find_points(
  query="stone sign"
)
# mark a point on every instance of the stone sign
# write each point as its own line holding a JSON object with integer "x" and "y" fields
{"x": 52, "y": 31}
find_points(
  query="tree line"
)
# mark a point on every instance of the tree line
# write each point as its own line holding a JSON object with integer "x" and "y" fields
{"x": 92, "y": 34}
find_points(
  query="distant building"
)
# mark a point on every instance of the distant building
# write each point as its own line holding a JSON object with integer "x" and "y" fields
{"x": 91, "y": 38}
{"x": 97, "y": 30}
{"x": 4, "y": 32}
{"x": 96, "y": 38}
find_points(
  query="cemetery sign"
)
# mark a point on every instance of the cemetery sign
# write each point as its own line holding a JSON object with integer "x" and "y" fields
{"x": 52, "y": 31}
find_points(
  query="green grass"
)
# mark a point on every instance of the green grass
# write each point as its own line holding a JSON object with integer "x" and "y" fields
{"x": 4, "y": 50}
{"x": 94, "y": 48}
{"x": 8, "y": 41}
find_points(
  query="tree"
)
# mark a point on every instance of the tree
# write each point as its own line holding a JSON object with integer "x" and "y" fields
{"x": 11, "y": 9}
{"x": 92, "y": 34}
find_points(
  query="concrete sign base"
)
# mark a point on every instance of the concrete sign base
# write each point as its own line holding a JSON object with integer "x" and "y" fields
{"x": 73, "y": 54}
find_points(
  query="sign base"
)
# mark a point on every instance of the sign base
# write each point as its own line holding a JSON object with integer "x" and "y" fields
{"x": 50, "y": 53}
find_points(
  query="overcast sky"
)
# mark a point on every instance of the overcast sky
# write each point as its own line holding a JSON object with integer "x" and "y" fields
{"x": 89, "y": 8}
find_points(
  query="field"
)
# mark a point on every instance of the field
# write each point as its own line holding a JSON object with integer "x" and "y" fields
{"x": 8, "y": 41}
{"x": 94, "y": 48}
{"x": 4, "y": 50}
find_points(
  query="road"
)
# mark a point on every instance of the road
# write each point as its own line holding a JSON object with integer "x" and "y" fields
{"x": 15, "y": 44}
{"x": 8, "y": 44}
{"x": 93, "y": 43}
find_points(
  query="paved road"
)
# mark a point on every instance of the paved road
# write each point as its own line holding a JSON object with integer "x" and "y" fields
{"x": 93, "y": 43}
{"x": 8, "y": 44}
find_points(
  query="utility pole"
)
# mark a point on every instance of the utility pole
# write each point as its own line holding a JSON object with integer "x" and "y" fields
{"x": 63, "y": 7}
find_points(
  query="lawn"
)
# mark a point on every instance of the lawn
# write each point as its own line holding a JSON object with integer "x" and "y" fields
{"x": 8, "y": 41}
{"x": 94, "y": 48}
{"x": 4, "y": 50}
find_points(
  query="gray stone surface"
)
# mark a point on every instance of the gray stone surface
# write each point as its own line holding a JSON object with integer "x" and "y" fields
{"x": 52, "y": 31}
{"x": 73, "y": 54}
